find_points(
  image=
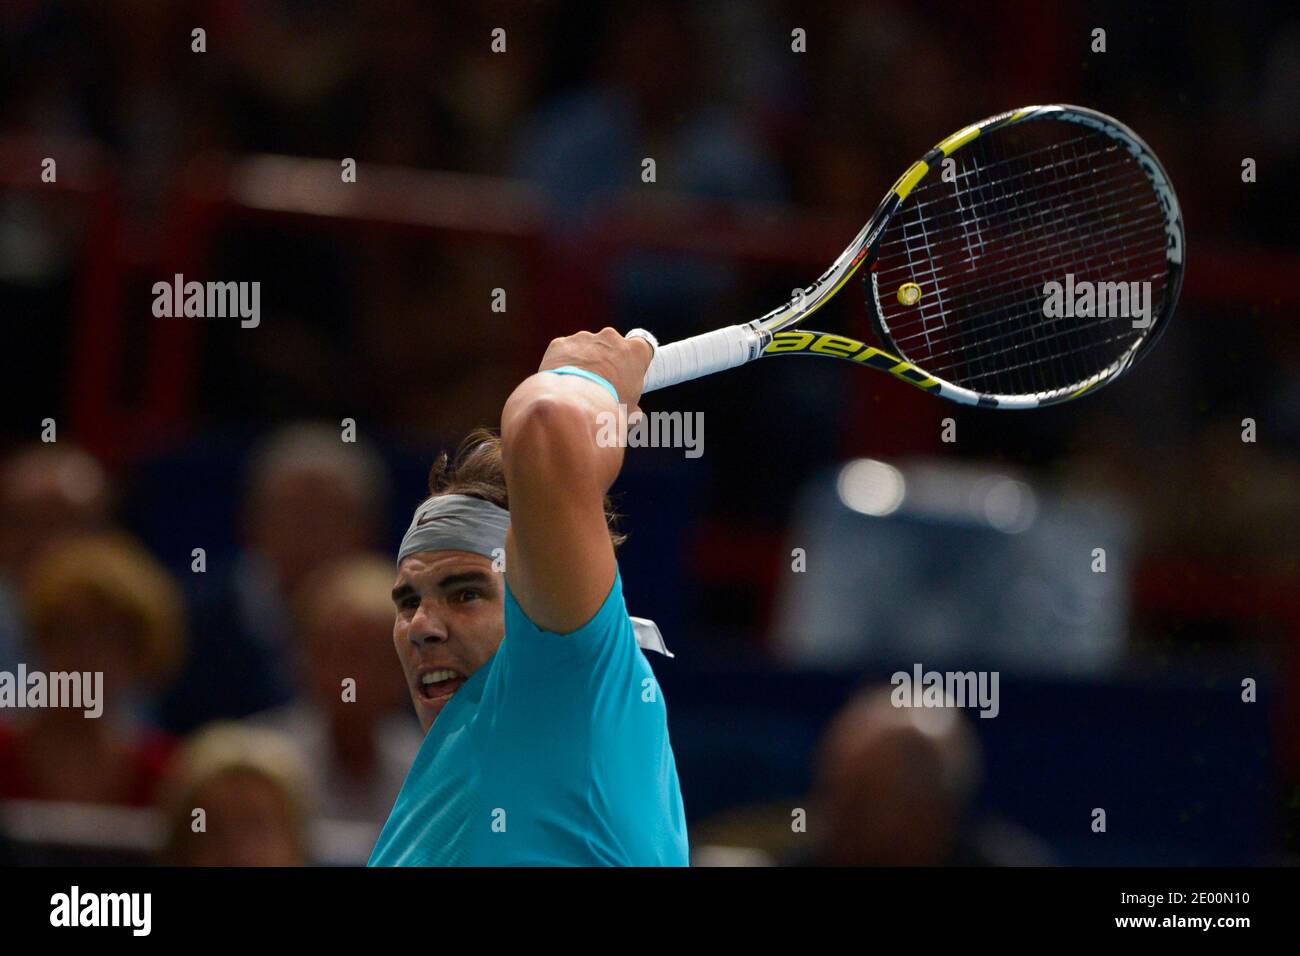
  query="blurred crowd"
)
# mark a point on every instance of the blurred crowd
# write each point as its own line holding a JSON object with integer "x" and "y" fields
{"x": 262, "y": 686}
{"x": 267, "y": 694}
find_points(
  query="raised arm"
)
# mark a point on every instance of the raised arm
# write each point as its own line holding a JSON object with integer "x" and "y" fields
{"x": 559, "y": 559}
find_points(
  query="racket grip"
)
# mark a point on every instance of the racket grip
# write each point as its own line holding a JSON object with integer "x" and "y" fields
{"x": 702, "y": 355}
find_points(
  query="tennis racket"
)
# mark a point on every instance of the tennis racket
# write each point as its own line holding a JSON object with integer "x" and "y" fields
{"x": 977, "y": 262}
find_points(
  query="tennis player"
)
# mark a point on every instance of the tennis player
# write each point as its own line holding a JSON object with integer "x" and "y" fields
{"x": 546, "y": 734}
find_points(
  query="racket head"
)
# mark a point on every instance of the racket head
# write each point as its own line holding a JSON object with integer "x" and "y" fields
{"x": 958, "y": 264}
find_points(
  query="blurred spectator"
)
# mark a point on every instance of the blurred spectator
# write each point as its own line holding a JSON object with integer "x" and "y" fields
{"x": 47, "y": 493}
{"x": 251, "y": 787}
{"x": 312, "y": 499}
{"x": 353, "y": 727}
{"x": 893, "y": 786}
{"x": 97, "y": 604}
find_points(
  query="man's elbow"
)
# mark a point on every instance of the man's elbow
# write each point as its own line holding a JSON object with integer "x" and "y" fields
{"x": 545, "y": 428}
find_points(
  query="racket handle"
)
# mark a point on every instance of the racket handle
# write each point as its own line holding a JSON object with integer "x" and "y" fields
{"x": 702, "y": 355}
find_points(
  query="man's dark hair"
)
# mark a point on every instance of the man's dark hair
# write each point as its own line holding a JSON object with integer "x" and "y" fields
{"x": 476, "y": 470}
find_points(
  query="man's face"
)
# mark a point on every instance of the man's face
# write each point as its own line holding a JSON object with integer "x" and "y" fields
{"x": 450, "y": 621}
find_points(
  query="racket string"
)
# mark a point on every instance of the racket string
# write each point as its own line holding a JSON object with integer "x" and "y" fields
{"x": 933, "y": 185}
{"x": 1072, "y": 213}
{"x": 1026, "y": 250}
{"x": 1138, "y": 261}
{"x": 969, "y": 350}
{"x": 973, "y": 328}
{"x": 1075, "y": 199}
{"x": 939, "y": 273}
{"x": 920, "y": 206}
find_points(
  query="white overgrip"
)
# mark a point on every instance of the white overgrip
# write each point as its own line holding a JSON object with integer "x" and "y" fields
{"x": 702, "y": 355}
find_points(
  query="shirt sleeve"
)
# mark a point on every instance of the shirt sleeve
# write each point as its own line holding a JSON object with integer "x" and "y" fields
{"x": 607, "y": 636}
{"x": 573, "y": 745}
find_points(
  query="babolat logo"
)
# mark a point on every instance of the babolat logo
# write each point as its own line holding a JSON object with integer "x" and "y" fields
{"x": 841, "y": 346}
{"x": 1102, "y": 300}
{"x": 75, "y": 908}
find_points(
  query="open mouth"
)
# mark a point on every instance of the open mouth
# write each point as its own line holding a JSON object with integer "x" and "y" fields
{"x": 436, "y": 686}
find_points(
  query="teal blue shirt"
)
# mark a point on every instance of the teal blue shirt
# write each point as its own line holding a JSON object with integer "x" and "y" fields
{"x": 555, "y": 752}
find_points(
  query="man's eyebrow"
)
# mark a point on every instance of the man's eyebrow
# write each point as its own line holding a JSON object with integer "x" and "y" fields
{"x": 481, "y": 578}
{"x": 465, "y": 577}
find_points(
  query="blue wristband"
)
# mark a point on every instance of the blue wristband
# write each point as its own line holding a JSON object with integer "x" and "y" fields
{"x": 583, "y": 373}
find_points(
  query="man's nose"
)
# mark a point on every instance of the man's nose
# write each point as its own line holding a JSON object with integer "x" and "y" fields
{"x": 426, "y": 637}
{"x": 426, "y": 628}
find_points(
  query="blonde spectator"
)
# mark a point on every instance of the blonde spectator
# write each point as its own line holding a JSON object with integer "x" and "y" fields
{"x": 236, "y": 796}
{"x": 98, "y": 605}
